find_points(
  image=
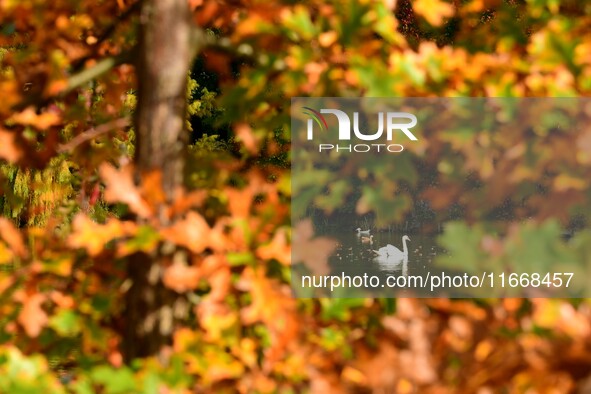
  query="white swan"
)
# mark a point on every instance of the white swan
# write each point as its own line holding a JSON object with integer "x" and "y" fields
{"x": 392, "y": 263}
{"x": 361, "y": 232}
{"x": 392, "y": 253}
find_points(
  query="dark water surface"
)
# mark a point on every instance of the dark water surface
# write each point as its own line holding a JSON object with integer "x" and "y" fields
{"x": 357, "y": 255}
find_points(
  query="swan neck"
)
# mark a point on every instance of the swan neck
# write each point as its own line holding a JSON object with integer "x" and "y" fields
{"x": 404, "y": 247}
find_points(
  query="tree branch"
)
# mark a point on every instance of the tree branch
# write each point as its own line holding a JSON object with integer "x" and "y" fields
{"x": 109, "y": 30}
{"x": 93, "y": 133}
{"x": 97, "y": 70}
{"x": 200, "y": 40}
{"x": 79, "y": 79}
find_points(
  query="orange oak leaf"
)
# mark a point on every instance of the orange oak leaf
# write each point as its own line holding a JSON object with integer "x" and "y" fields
{"x": 245, "y": 134}
{"x": 212, "y": 263}
{"x": 240, "y": 233}
{"x": 278, "y": 249}
{"x": 390, "y": 4}
{"x": 218, "y": 240}
{"x": 239, "y": 201}
{"x": 215, "y": 316}
{"x": 220, "y": 282}
{"x": 251, "y": 25}
{"x": 43, "y": 121}
{"x": 13, "y": 237}
{"x": 193, "y": 232}
{"x": 266, "y": 299}
{"x": 186, "y": 200}
{"x": 313, "y": 252}
{"x": 115, "y": 358}
{"x": 56, "y": 87}
{"x": 195, "y": 3}
{"x": 151, "y": 188}
{"x": 273, "y": 305}
{"x": 9, "y": 150}
{"x": 32, "y": 316}
{"x": 10, "y": 95}
{"x": 121, "y": 188}
{"x": 62, "y": 300}
{"x": 6, "y": 282}
{"x": 181, "y": 277}
{"x": 440, "y": 200}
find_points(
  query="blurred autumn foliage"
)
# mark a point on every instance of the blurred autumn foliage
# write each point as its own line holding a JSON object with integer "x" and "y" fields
{"x": 75, "y": 211}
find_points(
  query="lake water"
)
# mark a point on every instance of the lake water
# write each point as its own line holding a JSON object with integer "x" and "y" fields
{"x": 356, "y": 256}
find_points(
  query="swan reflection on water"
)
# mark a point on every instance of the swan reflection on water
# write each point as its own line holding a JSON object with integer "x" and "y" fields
{"x": 392, "y": 263}
{"x": 383, "y": 255}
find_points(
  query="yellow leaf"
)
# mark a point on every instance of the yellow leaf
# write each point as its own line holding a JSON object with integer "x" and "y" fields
{"x": 183, "y": 339}
{"x": 215, "y": 324}
{"x": 546, "y": 313}
{"x": 328, "y": 38}
{"x": 93, "y": 236}
{"x": 564, "y": 182}
{"x": 480, "y": 5}
{"x": 483, "y": 350}
{"x": 220, "y": 366}
{"x": 434, "y": 11}
{"x": 404, "y": 386}
{"x": 6, "y": 256}
{"x": 353, "y": 375}
{"x": 246, "y": 351}
{"x": 60, "y": 265}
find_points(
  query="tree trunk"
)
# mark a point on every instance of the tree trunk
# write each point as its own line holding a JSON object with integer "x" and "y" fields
{"x": 164, "y": 57}
{"x": 164, "y": 60}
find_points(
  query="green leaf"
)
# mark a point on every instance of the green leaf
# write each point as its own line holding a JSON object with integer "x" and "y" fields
{"x": 66, "y": 322}
{"x": 462, "y": 243}
{"x": 243, "y": 258}
{"x": 340, "y": 308}
{"x": 299, "y": 26}
{"x": 115, "y": 381}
